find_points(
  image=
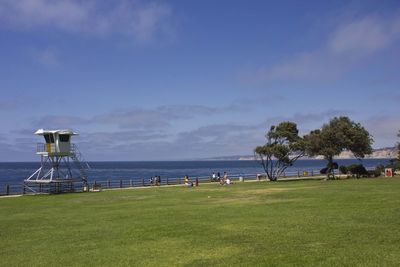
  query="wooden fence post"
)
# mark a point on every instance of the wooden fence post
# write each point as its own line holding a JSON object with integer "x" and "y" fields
{"x": 23, "y": 188}
{"x": 131, "y": 183}
{"x": 142, "y": 181}
{"x": 108, "y": 184}
{"x": 120, "y": 183}
{"x": 7, "y": 189}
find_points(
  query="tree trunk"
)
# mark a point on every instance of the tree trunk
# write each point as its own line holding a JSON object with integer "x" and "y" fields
{"x": 330, "y": 172}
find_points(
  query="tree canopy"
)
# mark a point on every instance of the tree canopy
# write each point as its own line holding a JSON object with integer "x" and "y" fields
{"x": 338, "y": 135}
{"x": 283, "y": 147}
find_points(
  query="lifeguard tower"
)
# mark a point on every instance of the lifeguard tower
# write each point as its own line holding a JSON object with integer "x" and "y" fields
{"x": 62, "y": 164}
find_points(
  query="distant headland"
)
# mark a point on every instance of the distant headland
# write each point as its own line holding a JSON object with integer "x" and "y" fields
{"x": 380, "y": 153}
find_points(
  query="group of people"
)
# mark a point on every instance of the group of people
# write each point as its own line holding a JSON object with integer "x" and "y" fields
{"x": 156, "y": 180}
{"x": 216, "y": 177}
{"x": 223, "y": 180}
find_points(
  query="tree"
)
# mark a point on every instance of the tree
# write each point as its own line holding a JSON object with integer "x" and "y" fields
{"x": 398, "y": 148}
{"x": 338, "y": 135}
{"x": 395, "y": 162}
{"x": 282, "y": 149}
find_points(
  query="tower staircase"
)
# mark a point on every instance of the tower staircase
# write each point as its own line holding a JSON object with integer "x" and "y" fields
{"x": 79, "y": 162}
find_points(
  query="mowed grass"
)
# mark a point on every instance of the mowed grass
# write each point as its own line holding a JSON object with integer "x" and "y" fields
{"x": 317, "y": 223}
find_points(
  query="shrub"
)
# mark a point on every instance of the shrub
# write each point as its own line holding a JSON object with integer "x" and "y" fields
{"x": 343, "y": 169}
{"x": 374, "y": 173}
{"x": 357, "y": 170}
{"x": 380, "y": 168}
{"x": 324, "y": 170}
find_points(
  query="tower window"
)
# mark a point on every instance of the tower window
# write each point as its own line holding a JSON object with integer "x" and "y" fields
{"x": 49, "y": 138}
{"x": 64, "y": 137}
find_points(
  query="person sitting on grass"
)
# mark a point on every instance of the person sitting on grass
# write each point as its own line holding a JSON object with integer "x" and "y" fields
{"x": 188, "y": 183}
{"x": 228, "y": 181}
{"x": 223, "y": 179}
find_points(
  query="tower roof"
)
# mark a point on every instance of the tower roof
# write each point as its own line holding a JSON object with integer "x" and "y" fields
{"x": 59, "y": 131}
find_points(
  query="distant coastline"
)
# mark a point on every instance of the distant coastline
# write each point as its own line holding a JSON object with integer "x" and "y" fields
{"x": 380, "y": 153}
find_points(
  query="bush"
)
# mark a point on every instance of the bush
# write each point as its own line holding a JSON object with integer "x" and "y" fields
{"x": 324, "y": 170}
{"x": 357, "y": 170}
{"x": 380, "y": 168}
{"x": 374, "y": 173}
{"x": 343, "y": 169}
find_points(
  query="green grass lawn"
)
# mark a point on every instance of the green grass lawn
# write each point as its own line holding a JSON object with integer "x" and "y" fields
{"x": 318, "y": 223}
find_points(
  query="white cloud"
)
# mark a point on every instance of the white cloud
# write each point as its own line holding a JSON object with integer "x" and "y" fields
{"x": 145, "y": 21}
{"x": 67, "y": 15}
{"x": 350, "y": 43}
{"x": 365, "y": 36}
{"x": 58, "y": 121}
{"x": 156, "y": 143}
{"x": 142, "y": 21}
{"x": 132, "y": 118}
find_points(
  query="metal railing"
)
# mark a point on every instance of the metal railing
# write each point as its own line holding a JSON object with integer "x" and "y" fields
{"x": 49, "y": 148}
{"x": 30, "y": 188}
{"x": 41, "y": 147}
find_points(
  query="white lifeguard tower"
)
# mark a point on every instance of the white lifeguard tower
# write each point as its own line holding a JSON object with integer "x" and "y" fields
{"x": 62, "y": 164}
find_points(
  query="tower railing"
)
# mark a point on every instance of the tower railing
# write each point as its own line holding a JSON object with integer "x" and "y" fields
{"x": 43, "y": 148}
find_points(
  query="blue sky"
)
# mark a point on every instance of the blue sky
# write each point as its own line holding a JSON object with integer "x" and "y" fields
{"x": 166, "y": 80}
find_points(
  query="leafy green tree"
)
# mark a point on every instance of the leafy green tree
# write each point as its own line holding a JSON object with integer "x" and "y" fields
{"x": 283, "y": 147}
{"x": 338, "y": 135}
{"x": 398, "y": 148}
{"x": 395, "y": 162}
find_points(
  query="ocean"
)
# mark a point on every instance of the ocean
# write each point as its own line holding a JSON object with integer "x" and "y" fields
{"x": 15, "y": 172}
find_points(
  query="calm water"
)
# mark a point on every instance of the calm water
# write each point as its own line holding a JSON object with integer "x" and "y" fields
{"x": 16, "y": 172}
